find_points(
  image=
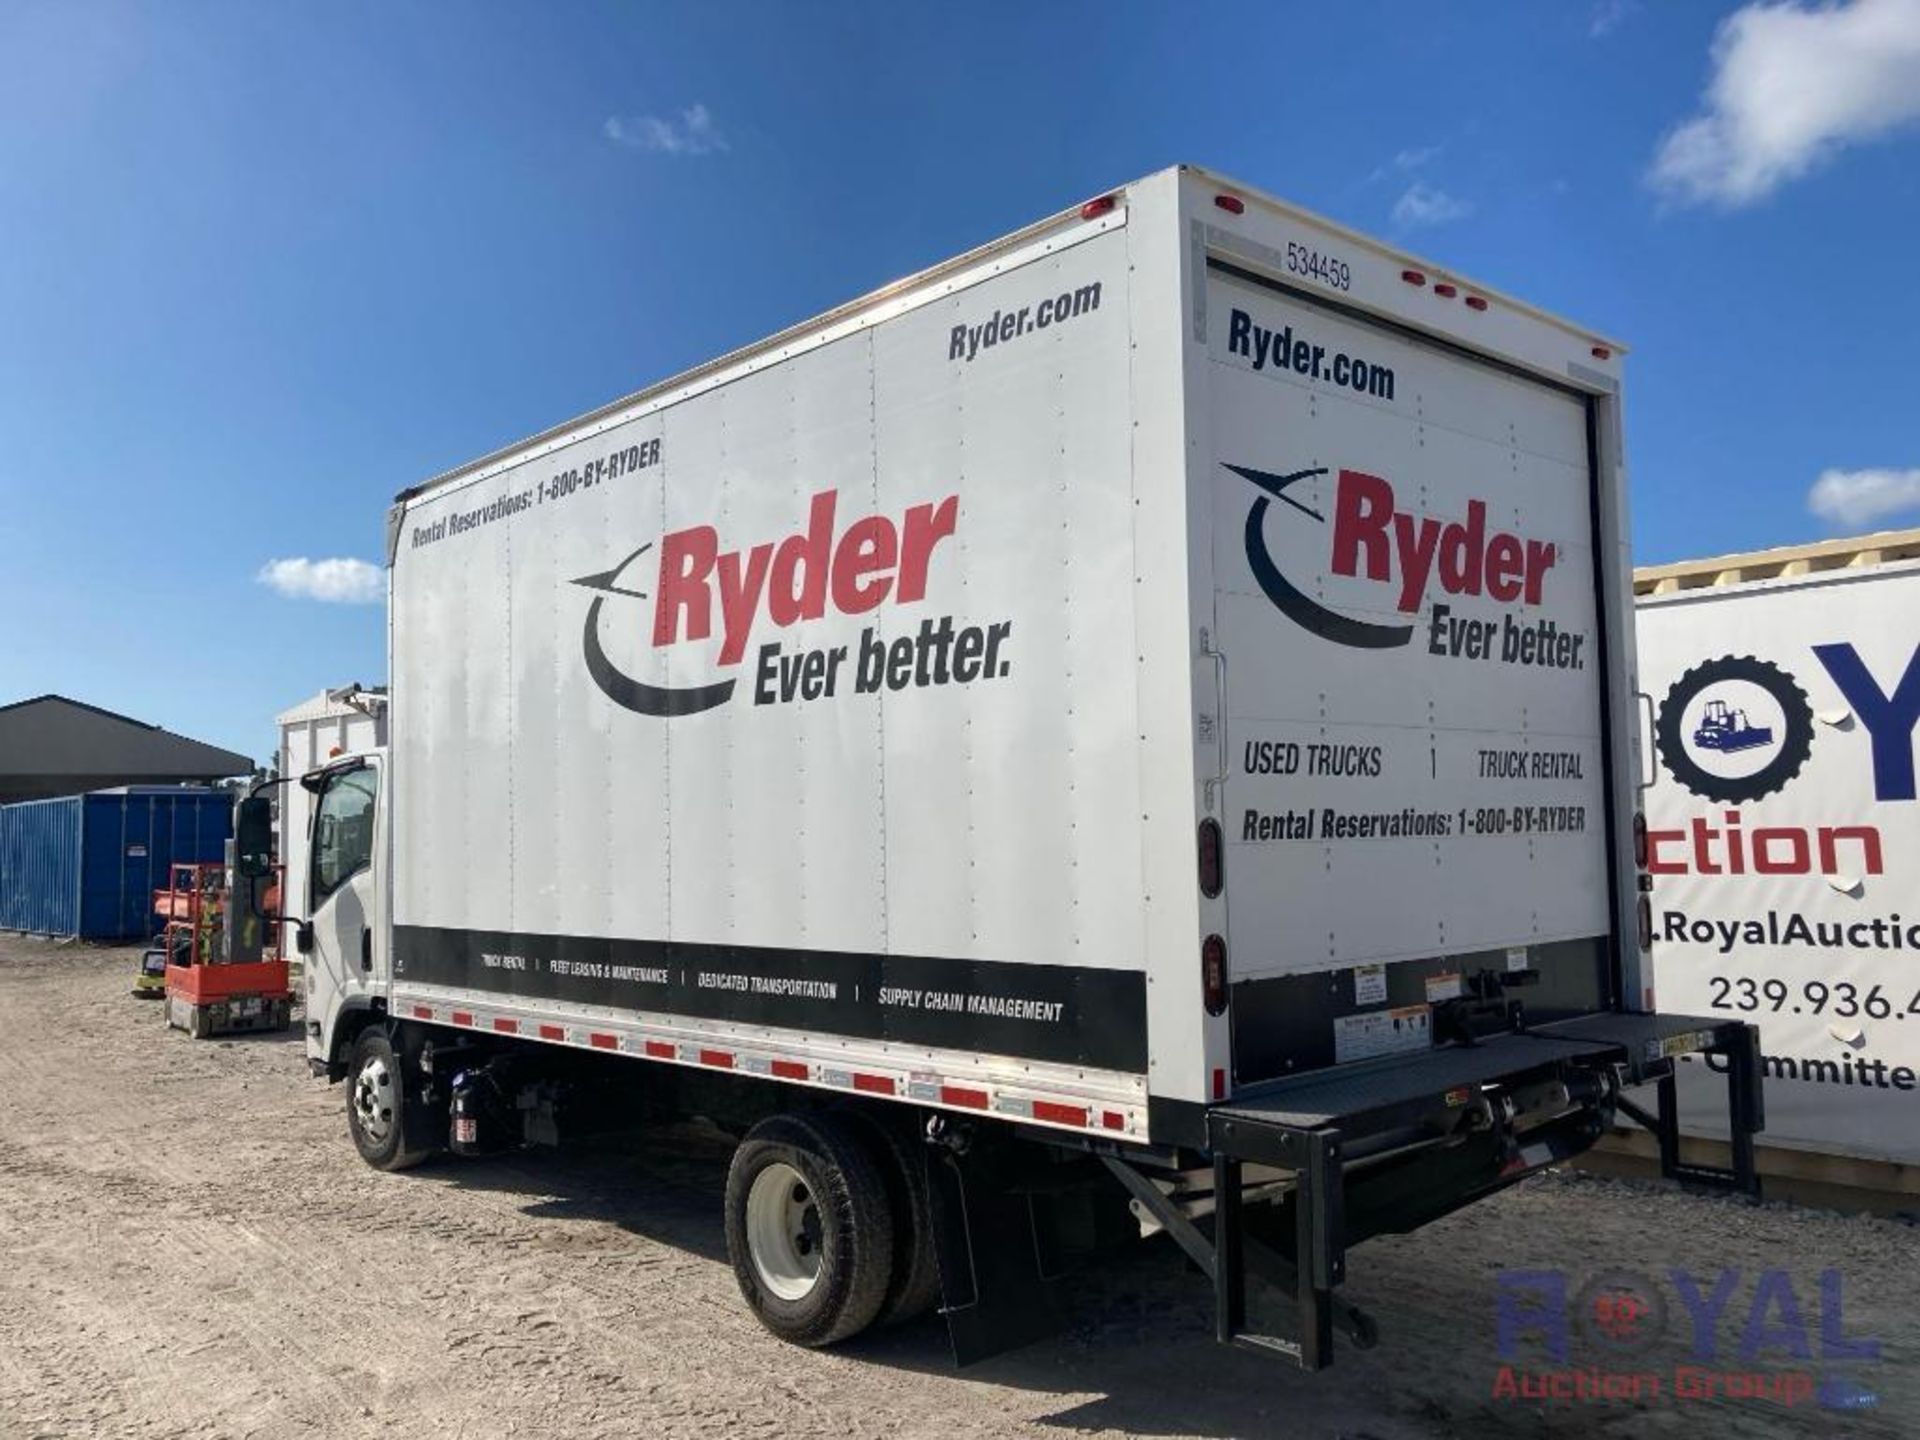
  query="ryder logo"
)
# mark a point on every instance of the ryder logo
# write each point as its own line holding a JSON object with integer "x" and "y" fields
{"x": 700, "y": 591}
{"x": 1413, "y": 555}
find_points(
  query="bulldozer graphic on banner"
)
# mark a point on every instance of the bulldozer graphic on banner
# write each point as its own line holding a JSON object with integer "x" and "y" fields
{"x": 1726, "y": 729}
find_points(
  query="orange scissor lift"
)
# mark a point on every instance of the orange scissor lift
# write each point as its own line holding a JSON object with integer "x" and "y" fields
{"x": 208, "y": 994}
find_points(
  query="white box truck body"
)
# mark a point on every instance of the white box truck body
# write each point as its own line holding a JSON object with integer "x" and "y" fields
{"x": 1158, "y": 686}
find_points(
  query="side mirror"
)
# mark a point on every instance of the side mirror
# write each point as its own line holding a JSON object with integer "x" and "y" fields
{"x": 253, "y": 837}
{"x": 303, "y": 937}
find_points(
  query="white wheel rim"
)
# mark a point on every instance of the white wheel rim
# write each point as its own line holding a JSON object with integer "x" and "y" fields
{"x": 783, "y": 1231}
{"x": 374, "y": 1099}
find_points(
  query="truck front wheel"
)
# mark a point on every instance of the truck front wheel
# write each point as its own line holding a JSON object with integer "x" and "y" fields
{"x": 809, "y": 1228}
{"x": 387, "y": 1123}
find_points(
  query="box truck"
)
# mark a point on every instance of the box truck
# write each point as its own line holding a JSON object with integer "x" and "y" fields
{"x": 1128, "y": 730}
{"x": 1784, "y": 834}
{"x": 340, "y": 720}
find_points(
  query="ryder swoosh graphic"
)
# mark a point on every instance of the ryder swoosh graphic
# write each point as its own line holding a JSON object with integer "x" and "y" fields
{"x": 1291, "y": 601}
{"x": 661, "y": 701}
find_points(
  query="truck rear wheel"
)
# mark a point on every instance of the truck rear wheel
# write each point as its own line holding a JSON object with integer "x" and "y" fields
{"x": 915, "y": 1286}
{"x": 809, "y": 1228}
{"x": 387, "y": 1124}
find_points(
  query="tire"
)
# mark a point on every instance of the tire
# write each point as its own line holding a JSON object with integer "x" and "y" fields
{"x": 813, "y": 1178}
{"x": 387, "y": 1126}
{"x": 915, "y": 1286}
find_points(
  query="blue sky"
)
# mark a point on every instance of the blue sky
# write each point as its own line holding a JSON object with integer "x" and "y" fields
{"x": 263, "y": 266}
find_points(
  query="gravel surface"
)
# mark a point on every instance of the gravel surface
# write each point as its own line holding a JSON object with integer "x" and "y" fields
{"x": 192, "y": 1248}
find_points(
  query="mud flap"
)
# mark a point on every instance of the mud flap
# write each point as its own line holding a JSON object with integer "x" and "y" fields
{"x": 1000, "y": 1279}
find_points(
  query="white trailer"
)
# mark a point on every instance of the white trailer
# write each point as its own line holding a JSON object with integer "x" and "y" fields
{"x": 1101, "y": 734}
{"x": 343, "y": 720}
{"x": 1785, "y": 833}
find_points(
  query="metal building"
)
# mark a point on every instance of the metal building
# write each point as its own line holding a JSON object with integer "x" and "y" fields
{"x": 51, "y": 745}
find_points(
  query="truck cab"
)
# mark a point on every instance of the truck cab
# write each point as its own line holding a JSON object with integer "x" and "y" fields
{"x": 340, "y": 904}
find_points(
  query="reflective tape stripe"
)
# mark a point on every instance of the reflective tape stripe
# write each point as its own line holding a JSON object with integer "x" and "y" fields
{"x": 1055, "y": 1113}
{"x": 921, "y": 1086}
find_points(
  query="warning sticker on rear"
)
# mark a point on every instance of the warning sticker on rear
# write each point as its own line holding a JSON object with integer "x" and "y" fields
{"x": 1384, "y": 1032}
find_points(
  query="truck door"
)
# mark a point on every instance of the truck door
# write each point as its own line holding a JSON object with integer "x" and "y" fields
{"x": 1413, "y": 659}
{"x": 343, "y": 878}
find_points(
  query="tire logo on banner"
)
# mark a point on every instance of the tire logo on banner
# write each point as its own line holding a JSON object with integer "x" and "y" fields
{"x": 622, "y": 688}
{"x": 1291, "y": 601}
{"x": 1735, "y": 729}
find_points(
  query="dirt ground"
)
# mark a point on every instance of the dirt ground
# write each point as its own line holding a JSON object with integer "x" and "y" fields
{"x": 191, "y": 1247}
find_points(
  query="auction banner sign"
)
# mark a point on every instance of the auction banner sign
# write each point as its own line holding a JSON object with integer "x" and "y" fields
{"x": 1784, "y": 840}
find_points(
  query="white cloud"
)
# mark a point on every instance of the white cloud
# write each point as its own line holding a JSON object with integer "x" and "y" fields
{"x": 1424, "y": 204}
{"x": 1860, "y": 497}
{"x": 1790, "y": 86}
{"x": 694, "y": 133}
{"x": 340, "y": 581}
{"x": 1607, "y": 15}
{"x": 1404, "y": 162}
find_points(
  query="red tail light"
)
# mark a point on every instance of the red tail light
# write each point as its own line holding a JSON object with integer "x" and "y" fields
{"x": 1213, "y": 974}
{"x": 1641, "y": 851}
{"x": 1211, "y": 878}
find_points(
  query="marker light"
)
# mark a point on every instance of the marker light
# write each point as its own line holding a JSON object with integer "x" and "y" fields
{"x": 1213, "y": 972}
{"x": 1211, "y": 878}
{"x": 1232, "y": 204}
{"x": 1094, "y": 209}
